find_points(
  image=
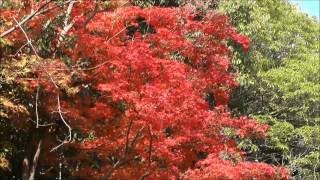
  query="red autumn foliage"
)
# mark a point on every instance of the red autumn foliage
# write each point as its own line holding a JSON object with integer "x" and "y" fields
{"x": 144, "y": 75}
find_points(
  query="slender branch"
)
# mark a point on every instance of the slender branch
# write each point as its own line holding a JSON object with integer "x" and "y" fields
{"x": 136, "y": 136}
{"x": 43, "y": 125}
{"x": 20, "y": 49}
{"x": 144, "y": 175}
{"x": 38, "y": 12}
{"x": 91, "y": 16}
{"x": 51, "y": 79}
{"x": 60, "y": 172}
{"x": 116, "y": 34}
{"x": 30, "y": 16}
{"x": 108, "y": 175}
{"x": 63, "y": 120}
{"x": 127, "y": 136}
{"x": 35, "y": 161}
{"x": 95, "y": 67}
{"x": 69, "y": 137}
{"x": 28, "y": 39}
{"x": 37, "y": 113}
{"x": 150, "y": 145}
{"x": 35, "y": 51}
{"x": 57, "y": 147}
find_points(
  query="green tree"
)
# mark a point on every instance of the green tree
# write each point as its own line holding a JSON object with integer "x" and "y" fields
{"x": 279, "y": 81}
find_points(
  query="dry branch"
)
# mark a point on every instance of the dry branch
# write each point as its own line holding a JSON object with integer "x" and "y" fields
{"x": 30, "y": 16}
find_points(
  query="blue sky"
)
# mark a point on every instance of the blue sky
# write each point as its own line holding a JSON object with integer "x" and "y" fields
{"x": 312, "y": 7}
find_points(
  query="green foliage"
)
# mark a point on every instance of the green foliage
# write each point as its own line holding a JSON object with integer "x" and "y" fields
{"x": 294, "y": 90}
{"x": 309, "y": 165}
{"x": 148, "y": 3}
{"x": 298, "y": 148}
{"x": 281, "y": 133}
{"x": 279, "y": 80}
{"x": 275, "y": 28}
{"x": 310, "y": 136}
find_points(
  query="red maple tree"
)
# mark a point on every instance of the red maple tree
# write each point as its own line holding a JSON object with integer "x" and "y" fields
{"x": 152, "y": 85}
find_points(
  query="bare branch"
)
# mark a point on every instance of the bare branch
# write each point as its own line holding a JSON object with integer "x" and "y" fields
{"x": 144, "y": 175}
{"x": 116, "y": 34}
{"x": 37, "y": 98}
{"x": 109, "y": 174}
{"x": 20, "y": 49}
{"x": 63, "y": 120}
{"x": 39, "y": 11}
{"x": 43, "y": 125}
{"x": 150, "y": 145}
{"x": 138, "y": 134}
{"x": 57, "y": 147}
{"x": 28, "y": 39}
{"x": 60, "y": 171}
{"x": 91, "y": 16}
{"x": 35, "y": 161}
{"x": 35, "y": 51}
{"x": 127, "y": 136}
{"x": 30, "y": 16}
{"x": 69, "y": 137}
{"x": 95, "y": 67}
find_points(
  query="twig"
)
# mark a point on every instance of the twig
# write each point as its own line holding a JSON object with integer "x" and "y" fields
{"x": 51, "y": 79}
{"x": 116, "y": 34}
{"x": 43, "y": 125}
{"x": 20, "y": 49}
{"x": 57, "y": 147}
{"x": 95, "y": 67}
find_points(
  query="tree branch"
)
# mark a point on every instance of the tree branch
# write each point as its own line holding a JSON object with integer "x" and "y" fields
{"x": 69, "y": 137}
{"x": 127, "y": 136}
{"x": 35, "y": 161}
{"x": 30, "y": 16}
{"x": 150, "y": 145}
{"x": 67, "y": 26}
{"x": 28, "y": 39}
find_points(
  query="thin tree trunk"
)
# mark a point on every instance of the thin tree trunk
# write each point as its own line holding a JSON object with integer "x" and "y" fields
{"x": 29, "y": 170}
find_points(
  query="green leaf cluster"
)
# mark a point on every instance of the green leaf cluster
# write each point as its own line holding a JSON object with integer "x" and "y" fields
{"x": 279, "y": 81}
